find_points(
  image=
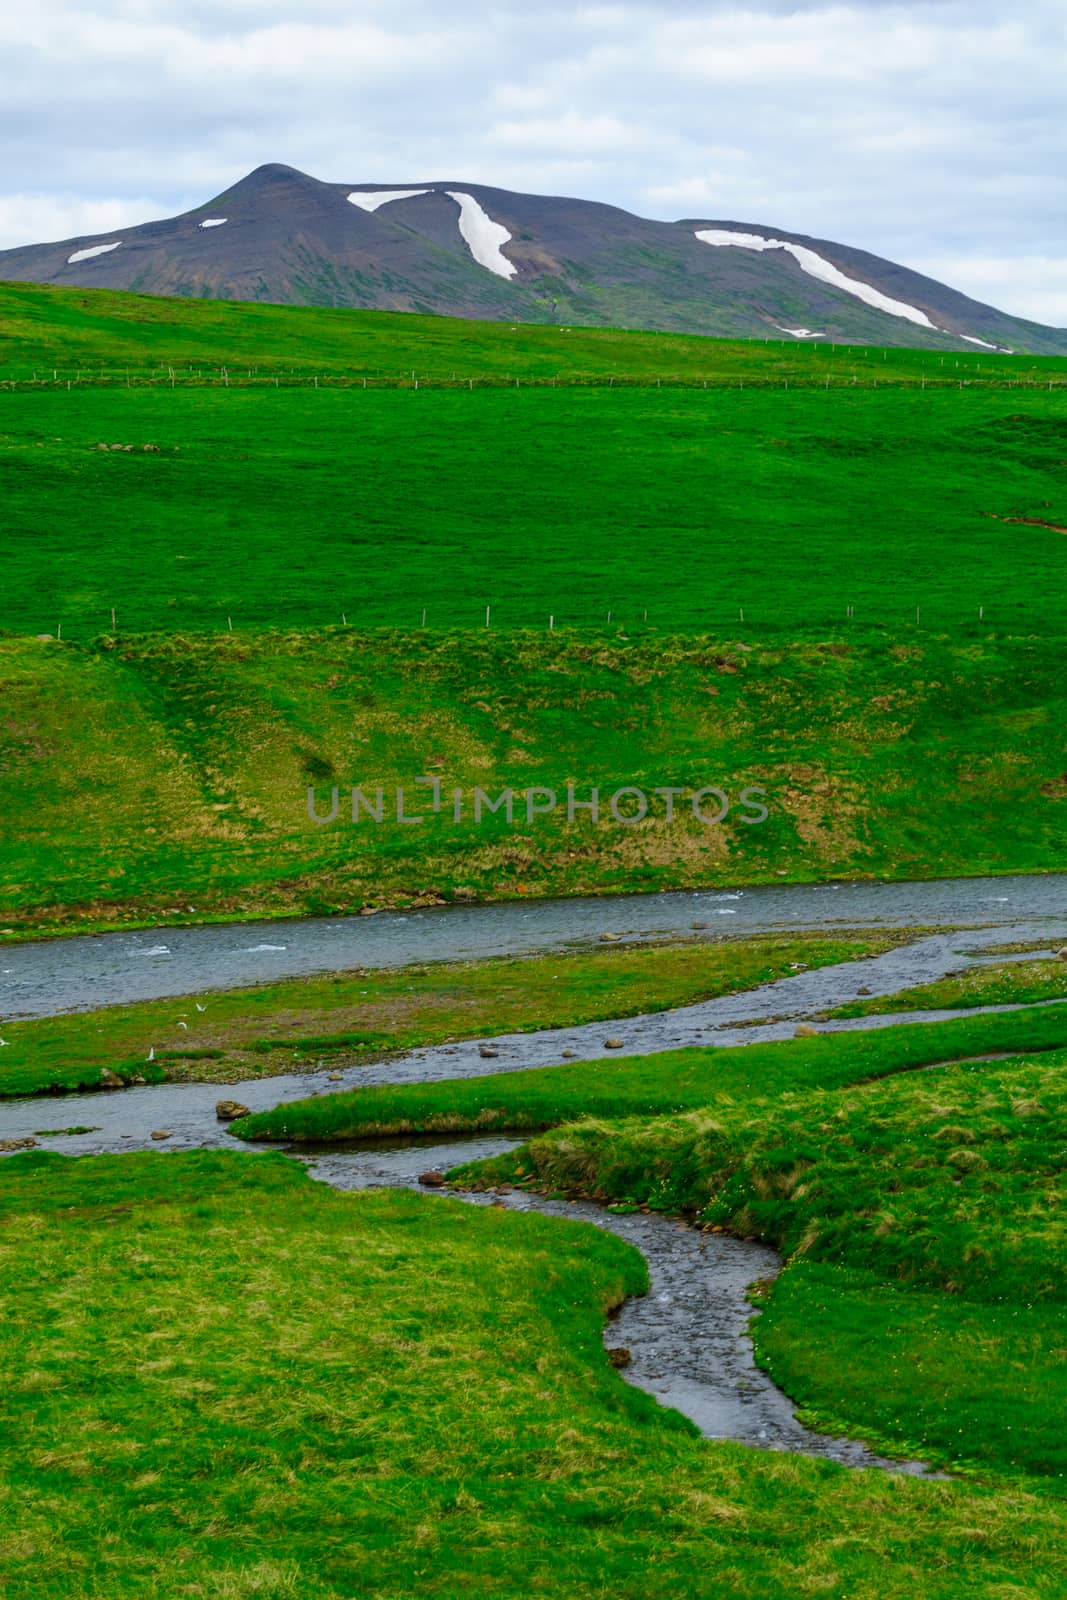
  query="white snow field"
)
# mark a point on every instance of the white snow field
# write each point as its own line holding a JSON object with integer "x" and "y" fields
{"x": 818, "y": 267}
{"x": 382, "y": 197}
{"x": 93, "y": 250}
{"x": 800, "y": 333}
{"x": 484, "y": 237}
{"x": 213, "y": 222}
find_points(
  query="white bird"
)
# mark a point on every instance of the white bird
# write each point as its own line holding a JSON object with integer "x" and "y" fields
{"x": 184, "y": 1025}
{"x": 3, "y": 1042}
{"x": 198, "y": 1006}
{"x": 152, "y": 1053}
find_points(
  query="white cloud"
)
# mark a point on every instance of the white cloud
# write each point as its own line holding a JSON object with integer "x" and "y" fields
{"x": 35, "y": 218}
{"x": 1031, "y": 286}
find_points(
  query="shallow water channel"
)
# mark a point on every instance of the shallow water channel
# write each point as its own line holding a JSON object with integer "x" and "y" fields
{"x": 47, "y": 976}
{"x": 688, "y": 1337}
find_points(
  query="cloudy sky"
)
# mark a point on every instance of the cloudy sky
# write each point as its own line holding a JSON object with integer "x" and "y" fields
{"x": 930, "y": 131}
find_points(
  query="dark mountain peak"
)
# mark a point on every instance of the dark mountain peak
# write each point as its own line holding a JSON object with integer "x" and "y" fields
{"x": 273, "y": 176}
{"x": 461, "y": 248}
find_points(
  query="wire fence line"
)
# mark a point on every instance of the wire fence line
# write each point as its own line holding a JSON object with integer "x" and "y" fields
{"x": 934, "y": 380}
{"x": 734, "y": 621}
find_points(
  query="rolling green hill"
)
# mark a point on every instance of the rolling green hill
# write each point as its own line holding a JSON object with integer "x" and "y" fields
{"x": 853, "y": 592}
{"x": 166, "y": 777}
{"x": 100, "y": 334}
{"x": 205, "y": 508}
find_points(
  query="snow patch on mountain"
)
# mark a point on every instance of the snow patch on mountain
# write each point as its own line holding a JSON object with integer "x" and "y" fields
{"x": 800, "y": 333}
{"x": 213, "y": 222}
{"x": 485, "y": 238}
{"x": 382, "y": 197}
{"x": 983, "y": 342}
{"x": 818, "y": 267}
{"x": 93, "y": 250}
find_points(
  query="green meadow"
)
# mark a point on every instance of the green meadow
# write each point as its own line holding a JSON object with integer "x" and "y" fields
{"x": 223, "y": 1379}
{"x": 673, "y": 508}
{"x": 835, "y": 573}
{"x": 56, "y": 336}
{"x": 800, "y": 487}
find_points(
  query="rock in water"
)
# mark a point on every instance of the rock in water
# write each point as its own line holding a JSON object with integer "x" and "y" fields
{"x": 487, "y": 1051}
{"x": 18, "y": 1144}
{"x": 230, "y": 1110}
{"x": 804, "y": 1030}
{"x": 160, "y": 1133}
{"x": 620, "y": 1356}
{"x": 613, "y": 1044}
{"x": 432, "y": 1180}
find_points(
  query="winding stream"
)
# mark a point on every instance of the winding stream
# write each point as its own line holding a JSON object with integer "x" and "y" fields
{"x": 688, "y": 1336}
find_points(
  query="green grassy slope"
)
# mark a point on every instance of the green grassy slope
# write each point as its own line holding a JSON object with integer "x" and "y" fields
{"x": 167, "y": 774}
{"x": 225, "y": 1379}
{"x": 97, "y": 333}
{"x": 911, "y": 739}
{"x": 295, "y": 508}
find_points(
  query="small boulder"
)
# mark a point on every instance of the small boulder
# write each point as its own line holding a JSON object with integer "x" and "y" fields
{"x": 488, "y": 1051}
{"x": 804, "y": 1030}
{"x": 613, "y": 1044}
{"x": 619, "y": 1356}
{"x": 863, "y": 989}
{"x": 567, "y": 1054}
{"x": 432, "y": 1180}
{"x": 230, "y": 1110}
{"x": 111, "y": 1080}
{"x": 698, "y": 924}
{"x": 160, "y": 1133}
{"x": 334, "y": 1077}
{"x": 610, "y": 938}
{"x": 18, "y": 1144}
{"x": 1061, "y": 954}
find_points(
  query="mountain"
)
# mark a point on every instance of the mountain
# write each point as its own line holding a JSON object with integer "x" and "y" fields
{"x": 467, "y": 250}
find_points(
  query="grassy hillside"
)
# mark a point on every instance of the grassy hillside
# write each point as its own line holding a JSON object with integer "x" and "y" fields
{"x": 99, "y": 334}
{"x": 854, "y": 595}
{"x": 169, "y": 776}
{"x": 803, "y": 481}
{"x": 297, "y": 508}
